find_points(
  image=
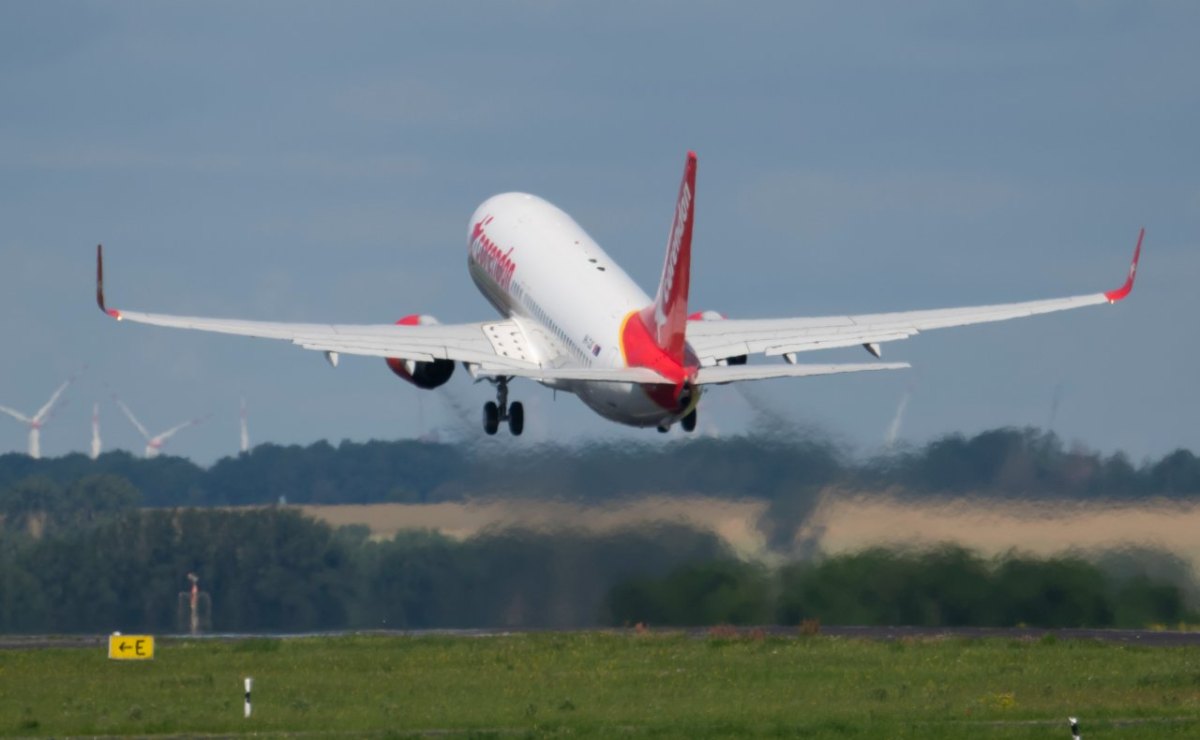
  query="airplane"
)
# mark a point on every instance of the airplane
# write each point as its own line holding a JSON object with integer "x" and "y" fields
{"x": 572, "y": 320}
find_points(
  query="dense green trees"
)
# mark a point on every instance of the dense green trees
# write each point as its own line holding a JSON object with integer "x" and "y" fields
{"x": 696, "y": 594}
{"x": 939, "y": 587}
{"x": 1026, "y": 462}
{"x": 70, "y": 565}
{"x": 787, "y": 471}
{"x": 77, "y": 554}
{"x": 112, "y": 566}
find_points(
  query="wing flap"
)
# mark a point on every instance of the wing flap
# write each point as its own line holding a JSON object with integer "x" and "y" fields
{"x": 780, "y": 336}
{"x": 735, "y": 373}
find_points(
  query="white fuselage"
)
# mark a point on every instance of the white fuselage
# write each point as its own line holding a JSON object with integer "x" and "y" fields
{"x": 570, "y": 299}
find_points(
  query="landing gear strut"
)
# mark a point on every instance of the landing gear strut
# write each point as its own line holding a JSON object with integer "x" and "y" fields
{"x": 499, "y": 410}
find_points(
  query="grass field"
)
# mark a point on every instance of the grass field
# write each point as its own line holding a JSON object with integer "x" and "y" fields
{"x": 609, "y": 685}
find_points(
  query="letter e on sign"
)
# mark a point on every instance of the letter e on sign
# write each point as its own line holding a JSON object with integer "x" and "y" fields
{"x": 131, "y": 647}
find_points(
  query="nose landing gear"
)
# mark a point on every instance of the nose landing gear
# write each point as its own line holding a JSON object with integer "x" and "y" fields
{"x": 499, "y": 410}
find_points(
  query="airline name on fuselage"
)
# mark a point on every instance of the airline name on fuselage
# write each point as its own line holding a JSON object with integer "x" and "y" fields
{"x": 681, "y": 214}
{"x": 497, "y": 263}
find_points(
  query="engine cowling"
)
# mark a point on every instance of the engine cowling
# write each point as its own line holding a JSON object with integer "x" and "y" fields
{"x": 427, "y": 375}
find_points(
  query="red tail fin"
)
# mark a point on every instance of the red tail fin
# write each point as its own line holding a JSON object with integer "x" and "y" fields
{"x": 668, "y": 315}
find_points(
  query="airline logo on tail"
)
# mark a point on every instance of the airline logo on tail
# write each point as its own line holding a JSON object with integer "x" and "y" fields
{"x": 681, "y": 214}
{"x": 670, "y": 305}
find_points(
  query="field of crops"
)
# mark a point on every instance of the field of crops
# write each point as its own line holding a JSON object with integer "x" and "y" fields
{"x": 603, "y": 685}
{"x": 843, "y": 521}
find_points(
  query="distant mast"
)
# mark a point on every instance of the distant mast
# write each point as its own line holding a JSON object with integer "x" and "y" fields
{"x": 95, "y": 431}
{"x": 245, "y": 429}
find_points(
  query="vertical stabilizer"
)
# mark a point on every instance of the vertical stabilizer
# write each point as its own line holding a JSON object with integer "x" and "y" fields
{"x": 669, "y": 317}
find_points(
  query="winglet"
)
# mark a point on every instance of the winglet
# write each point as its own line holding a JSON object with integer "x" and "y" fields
{"x": 1115, "y": 295}
{"x": 100, "y": 284}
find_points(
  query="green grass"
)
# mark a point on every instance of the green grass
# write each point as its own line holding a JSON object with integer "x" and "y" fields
{"x": 604, "y": 685}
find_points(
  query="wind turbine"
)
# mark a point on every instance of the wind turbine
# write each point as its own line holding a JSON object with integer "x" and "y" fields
{"x": 154, "y": 443}
{"x": 245, "y": 430}
{"x": 38, "y": 420}
{"x": 95, "y": 431}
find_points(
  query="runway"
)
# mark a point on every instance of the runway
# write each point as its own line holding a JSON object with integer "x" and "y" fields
{"x": 1146, "y": 638}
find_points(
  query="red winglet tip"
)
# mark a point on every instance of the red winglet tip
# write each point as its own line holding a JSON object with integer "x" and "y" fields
{"x": 1120, "y": 293}
{"x": 100, "y": 284}
{"x": 100, "y": 277}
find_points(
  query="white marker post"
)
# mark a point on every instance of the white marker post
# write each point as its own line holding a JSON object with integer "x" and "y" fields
{"x": 1074, "y": 728}
{"x": 249, "y": 683}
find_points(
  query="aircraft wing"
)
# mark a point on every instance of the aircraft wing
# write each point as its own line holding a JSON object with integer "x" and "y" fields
{"x": 724, "y": 338}
{"x": 490, "y": 342}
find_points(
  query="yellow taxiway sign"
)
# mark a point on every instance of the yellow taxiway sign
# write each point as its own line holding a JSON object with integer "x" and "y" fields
{"x": 131, "y": 647}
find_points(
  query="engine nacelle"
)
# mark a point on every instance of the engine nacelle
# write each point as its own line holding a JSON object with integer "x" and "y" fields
{"x": 427, "y": 375}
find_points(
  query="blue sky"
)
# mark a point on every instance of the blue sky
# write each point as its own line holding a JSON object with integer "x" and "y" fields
{"x": 318, "y": 161}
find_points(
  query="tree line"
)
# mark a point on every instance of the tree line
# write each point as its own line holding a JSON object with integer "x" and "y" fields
{"x": 938, "y": 587}
{"x": 1006, "y": 463}
{"x": 68, "y": 566}
{"x": 84, "y": 557}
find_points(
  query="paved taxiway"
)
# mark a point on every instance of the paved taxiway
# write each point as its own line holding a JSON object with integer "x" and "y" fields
{"x": 1148, "y": 638}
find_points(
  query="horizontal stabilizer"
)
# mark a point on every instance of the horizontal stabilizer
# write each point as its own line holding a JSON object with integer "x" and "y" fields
{"x": 734, "y": 373}
{"x": 595, "y": 374}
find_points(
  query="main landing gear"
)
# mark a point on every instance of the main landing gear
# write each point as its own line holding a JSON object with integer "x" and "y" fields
{"x": 500, "y": 410}
{"x": 687, "y": 422}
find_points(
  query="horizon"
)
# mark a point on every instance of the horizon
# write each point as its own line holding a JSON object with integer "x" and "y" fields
{"x": 846, "y": 453}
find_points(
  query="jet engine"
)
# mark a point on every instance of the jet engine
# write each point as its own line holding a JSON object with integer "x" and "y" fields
{"x": 427, "y": 375}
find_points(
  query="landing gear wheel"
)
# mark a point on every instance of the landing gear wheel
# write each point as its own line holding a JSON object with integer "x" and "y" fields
{"x": 664, "y": 430}
{"x": 491, "y": 417}
{"x": 689, "y": 422}
{"x": 516, "y": 418}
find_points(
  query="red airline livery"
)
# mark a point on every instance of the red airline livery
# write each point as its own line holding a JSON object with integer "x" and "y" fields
{"x": 571, "y": 319}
